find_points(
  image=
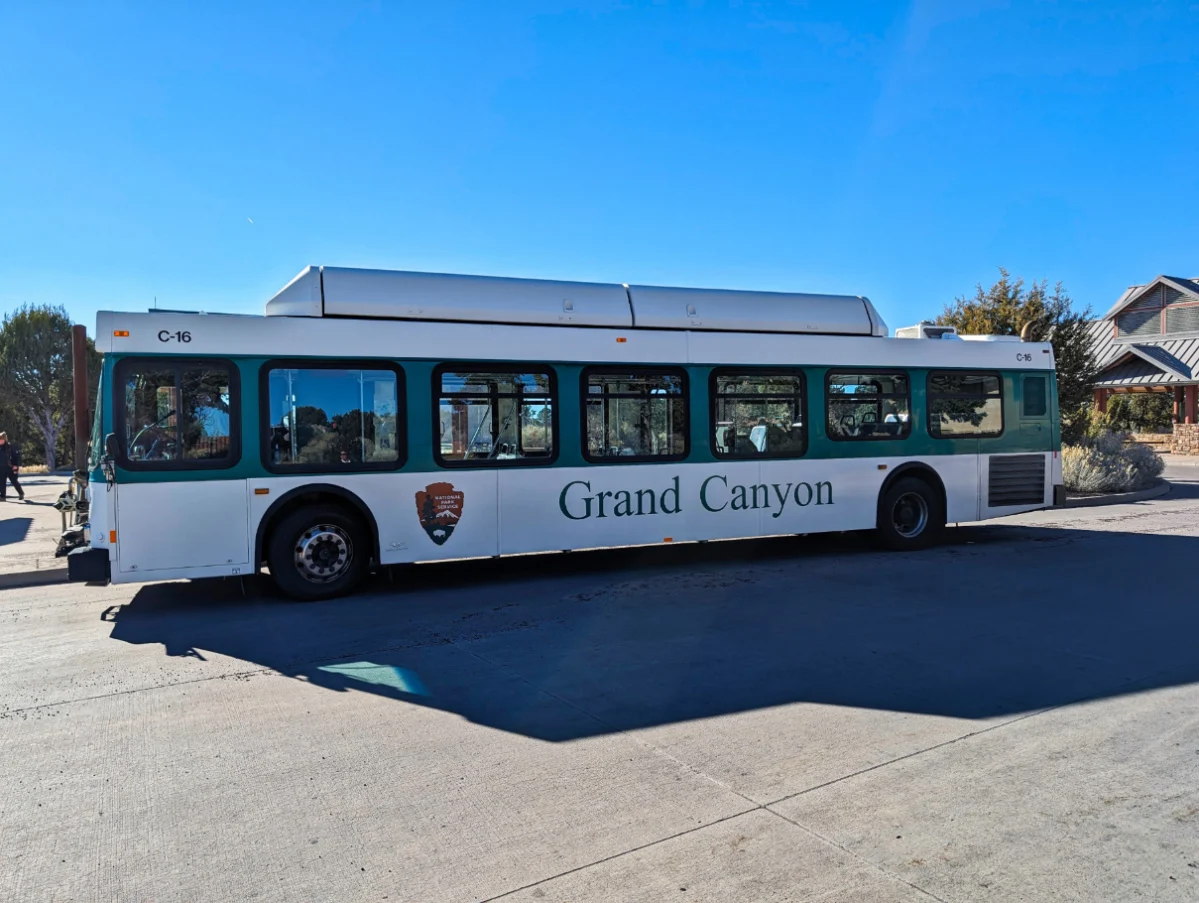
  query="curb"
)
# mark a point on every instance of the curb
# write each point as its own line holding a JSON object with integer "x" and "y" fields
{"x": 40, "y": 577}
{"x": 1120, "y": 498}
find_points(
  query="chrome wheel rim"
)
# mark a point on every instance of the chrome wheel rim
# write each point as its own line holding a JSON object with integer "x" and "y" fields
{"x": 909, "y": 515}
{"x": 323, "y": 553}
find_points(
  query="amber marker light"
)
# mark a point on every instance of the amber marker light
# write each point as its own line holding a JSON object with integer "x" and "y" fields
{"x": 262, "y": 492}
{"x": 121, "y": 333}
{"x": 621, "y": 339}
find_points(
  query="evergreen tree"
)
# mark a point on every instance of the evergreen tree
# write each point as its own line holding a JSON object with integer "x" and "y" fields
{"x": 1009, "y": 307}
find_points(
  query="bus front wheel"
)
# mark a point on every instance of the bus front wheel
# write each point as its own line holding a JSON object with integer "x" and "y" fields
{"x": 318, "y": 552}
{"x": 911, "y": 515}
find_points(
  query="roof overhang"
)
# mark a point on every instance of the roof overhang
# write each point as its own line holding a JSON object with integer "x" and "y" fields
{"x": 1172, "y": 370}
{"x": 1132, "y": 293}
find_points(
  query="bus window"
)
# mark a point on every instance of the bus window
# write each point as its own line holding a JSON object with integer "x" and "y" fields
{"x": 634, "y": 415}
{"x": 334, "y": 416}
{"x": 869, "y": 404}
{"x": 964, "y": 404}
{"x": 758, "y": 415}
{"x": 490, "y": 415}
{"x": 1035, "y": 393}
{"x": 178, "y": 414}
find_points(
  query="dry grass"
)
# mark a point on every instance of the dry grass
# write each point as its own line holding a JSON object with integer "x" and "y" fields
{"x": 1107, "y": 463}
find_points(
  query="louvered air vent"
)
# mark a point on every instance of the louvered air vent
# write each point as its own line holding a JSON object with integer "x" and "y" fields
{"x": 1182, "y": 319}
{"x": 1140, "y": 322}
{"x": 1016, "y": 480}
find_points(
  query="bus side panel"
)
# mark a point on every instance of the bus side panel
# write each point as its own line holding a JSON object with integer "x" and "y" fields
{"x": 843, "y": 494}
{"x": 420, "y": 516}
{"x": 604, "y": 506}
{"x": 101, "y": 514}
{"x": 583, "y": 508}
{"x": 164, "y": 526}
{"x": 959, "y": 473}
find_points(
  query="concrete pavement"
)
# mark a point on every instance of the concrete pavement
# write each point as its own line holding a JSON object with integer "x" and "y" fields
{"x": 29, "y": 530}
{"x": 1010, "y": 717}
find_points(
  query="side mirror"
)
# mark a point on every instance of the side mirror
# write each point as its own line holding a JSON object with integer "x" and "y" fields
{"x": 112, "y": 448}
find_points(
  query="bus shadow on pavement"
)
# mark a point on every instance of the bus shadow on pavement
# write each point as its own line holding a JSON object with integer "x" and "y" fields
{"x": 1000, "y": 620}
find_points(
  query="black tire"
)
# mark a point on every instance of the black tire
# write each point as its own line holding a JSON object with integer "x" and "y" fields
{"x": 318, "y": 552}
{"x": 911, "y": 515}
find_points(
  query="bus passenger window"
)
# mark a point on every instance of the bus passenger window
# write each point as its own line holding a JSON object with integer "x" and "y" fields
{"x": 178, "y": 414}
{"x": 964, "y": 404}
{"x": 332, "y": 417}
{"x": 490, "y": 415}
{"x": 635, "y": 415}
{"x": 758, "y": 415}
{"x": 871, "y": 404}
{"x": 1035, "y": 396}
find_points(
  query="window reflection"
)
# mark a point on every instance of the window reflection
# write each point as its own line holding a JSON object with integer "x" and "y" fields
{"x": 759, "y": 415}
{"x": 331, "y": 418}
{"x": 495, "y": 416}
{"x": 636, "y": 415}
{"x": 874, "y": 405}
{"x": 177, "y": 413}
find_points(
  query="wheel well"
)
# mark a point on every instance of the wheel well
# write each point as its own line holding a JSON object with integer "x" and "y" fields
{"x": 920, "y": 472}
{"x": 309, "y": 495}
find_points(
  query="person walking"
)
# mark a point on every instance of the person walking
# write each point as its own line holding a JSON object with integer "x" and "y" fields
{"x": 10, "y": 464}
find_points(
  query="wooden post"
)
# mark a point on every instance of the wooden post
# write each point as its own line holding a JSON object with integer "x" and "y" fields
{"x": 1190, "y": 403}
{"x": 1178, "y": 404}
{"x": 82, "y": 421}
{"x": 1101, "y": 400}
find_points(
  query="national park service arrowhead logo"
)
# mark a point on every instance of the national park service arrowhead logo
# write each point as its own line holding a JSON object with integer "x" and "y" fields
{"x": 439, "y": 505}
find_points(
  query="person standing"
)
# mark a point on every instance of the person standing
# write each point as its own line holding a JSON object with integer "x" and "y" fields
{"x": 10, "y": 464}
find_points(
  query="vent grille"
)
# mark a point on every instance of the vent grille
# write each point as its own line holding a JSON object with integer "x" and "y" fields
{"x": 1016, "y": 480}
{"x": 1140, "y": 322}
{"x": 1182, "y": 319}
{"x": 1174, "y": 296}
{"x": 1151, "y": 299}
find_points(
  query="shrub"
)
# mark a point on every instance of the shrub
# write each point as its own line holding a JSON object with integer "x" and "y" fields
{"x": 1142, "y": 413}
{"x": 1104, "y": 461}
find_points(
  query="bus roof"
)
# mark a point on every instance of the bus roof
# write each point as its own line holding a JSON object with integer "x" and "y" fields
{"x": 397, "y": 295}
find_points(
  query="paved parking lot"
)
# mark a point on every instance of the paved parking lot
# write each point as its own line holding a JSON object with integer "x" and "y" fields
{"x": 1013, "y": 716}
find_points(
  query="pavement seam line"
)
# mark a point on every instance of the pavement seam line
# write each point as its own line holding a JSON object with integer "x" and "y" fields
{"x": 851, "y": 854}
{"x": 986, "y": 730}
{"x": 636, "y": 849}
{"x": 755, "y": 805}
{"x": 7, "y": 713}
{"x": 911, "y": 755}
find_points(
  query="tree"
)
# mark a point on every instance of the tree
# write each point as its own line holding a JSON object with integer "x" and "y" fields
{"x": 35, "y": 371}
{"x": 1009, "y": 307}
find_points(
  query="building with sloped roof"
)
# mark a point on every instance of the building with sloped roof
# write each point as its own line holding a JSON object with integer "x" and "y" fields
{"x": 1149, "y": 342}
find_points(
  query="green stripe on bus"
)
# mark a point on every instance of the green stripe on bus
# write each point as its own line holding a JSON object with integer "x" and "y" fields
{"x": 1020, "y": 434}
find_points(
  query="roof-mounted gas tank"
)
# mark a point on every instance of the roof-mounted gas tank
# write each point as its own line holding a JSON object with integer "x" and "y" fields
{"x": 396, "y": 295}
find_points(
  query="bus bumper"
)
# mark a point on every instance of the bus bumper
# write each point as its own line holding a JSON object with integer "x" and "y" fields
{"x": 88, "y": 565}
{"x": 1059, "y": 496}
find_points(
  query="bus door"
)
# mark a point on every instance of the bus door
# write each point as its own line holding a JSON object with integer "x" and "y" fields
{"x": 177, "y": 504}
{"x": 1036, "y": 432}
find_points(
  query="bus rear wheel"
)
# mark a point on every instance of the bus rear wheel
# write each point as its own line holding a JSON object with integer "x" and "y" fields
{"x": 910, "y": 515}
{"x": 318, "y": 552}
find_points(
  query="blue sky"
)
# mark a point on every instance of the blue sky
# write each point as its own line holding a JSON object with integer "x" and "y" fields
{"x": 902, "y": 151}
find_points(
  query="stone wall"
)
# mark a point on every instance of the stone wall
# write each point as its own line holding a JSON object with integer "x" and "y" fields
{"x": 1186, "y": 439}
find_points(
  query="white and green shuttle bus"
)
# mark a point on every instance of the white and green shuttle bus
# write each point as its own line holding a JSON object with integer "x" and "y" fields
{"x": 375, "y": 418}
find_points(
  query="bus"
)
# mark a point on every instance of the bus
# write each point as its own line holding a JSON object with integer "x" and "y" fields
{"x": 374, "y": 418}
